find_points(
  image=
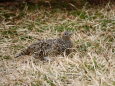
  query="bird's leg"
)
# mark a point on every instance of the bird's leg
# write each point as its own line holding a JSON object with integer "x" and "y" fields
{"x": 67, "y": 52}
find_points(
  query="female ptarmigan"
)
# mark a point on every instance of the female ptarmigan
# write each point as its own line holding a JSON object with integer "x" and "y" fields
{"x": 49, "y": 47}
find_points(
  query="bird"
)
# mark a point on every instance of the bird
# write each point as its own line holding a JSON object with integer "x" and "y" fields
{"x": 49, "y": 47}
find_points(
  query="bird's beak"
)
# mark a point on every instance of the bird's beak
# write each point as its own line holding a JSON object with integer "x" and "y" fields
{"x": 70, "y": 33}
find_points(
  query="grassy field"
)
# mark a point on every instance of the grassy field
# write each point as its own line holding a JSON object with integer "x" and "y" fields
{"x": 92, "y": 64}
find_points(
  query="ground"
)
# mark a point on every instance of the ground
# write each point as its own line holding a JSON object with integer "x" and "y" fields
{"x": 91, "y": 64}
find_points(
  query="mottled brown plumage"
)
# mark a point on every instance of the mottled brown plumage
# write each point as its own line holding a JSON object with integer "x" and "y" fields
{"x": 49, "y": 47}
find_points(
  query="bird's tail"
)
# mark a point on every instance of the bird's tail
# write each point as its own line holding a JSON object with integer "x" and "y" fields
{"x": 22, "y": 53}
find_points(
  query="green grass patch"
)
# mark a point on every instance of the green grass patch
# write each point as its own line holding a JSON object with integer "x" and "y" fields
{"x": 5, "y": 57}
{"x": 11, "y": 32}
{"x": 63, "y": 28}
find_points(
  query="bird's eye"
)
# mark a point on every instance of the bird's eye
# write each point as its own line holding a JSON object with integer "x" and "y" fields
{"x": 65, "y": 33}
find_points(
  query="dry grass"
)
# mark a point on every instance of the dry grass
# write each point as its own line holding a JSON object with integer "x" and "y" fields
{"x": 93, "y": 63}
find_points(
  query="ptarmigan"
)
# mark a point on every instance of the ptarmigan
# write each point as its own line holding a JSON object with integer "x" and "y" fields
{"x": 49, "y": 47}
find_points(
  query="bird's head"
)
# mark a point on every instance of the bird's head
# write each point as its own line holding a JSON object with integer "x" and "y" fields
{"x": 66, "y": 35}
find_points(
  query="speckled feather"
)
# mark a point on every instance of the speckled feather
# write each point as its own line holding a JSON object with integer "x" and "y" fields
{"x": 49, "y": 47}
